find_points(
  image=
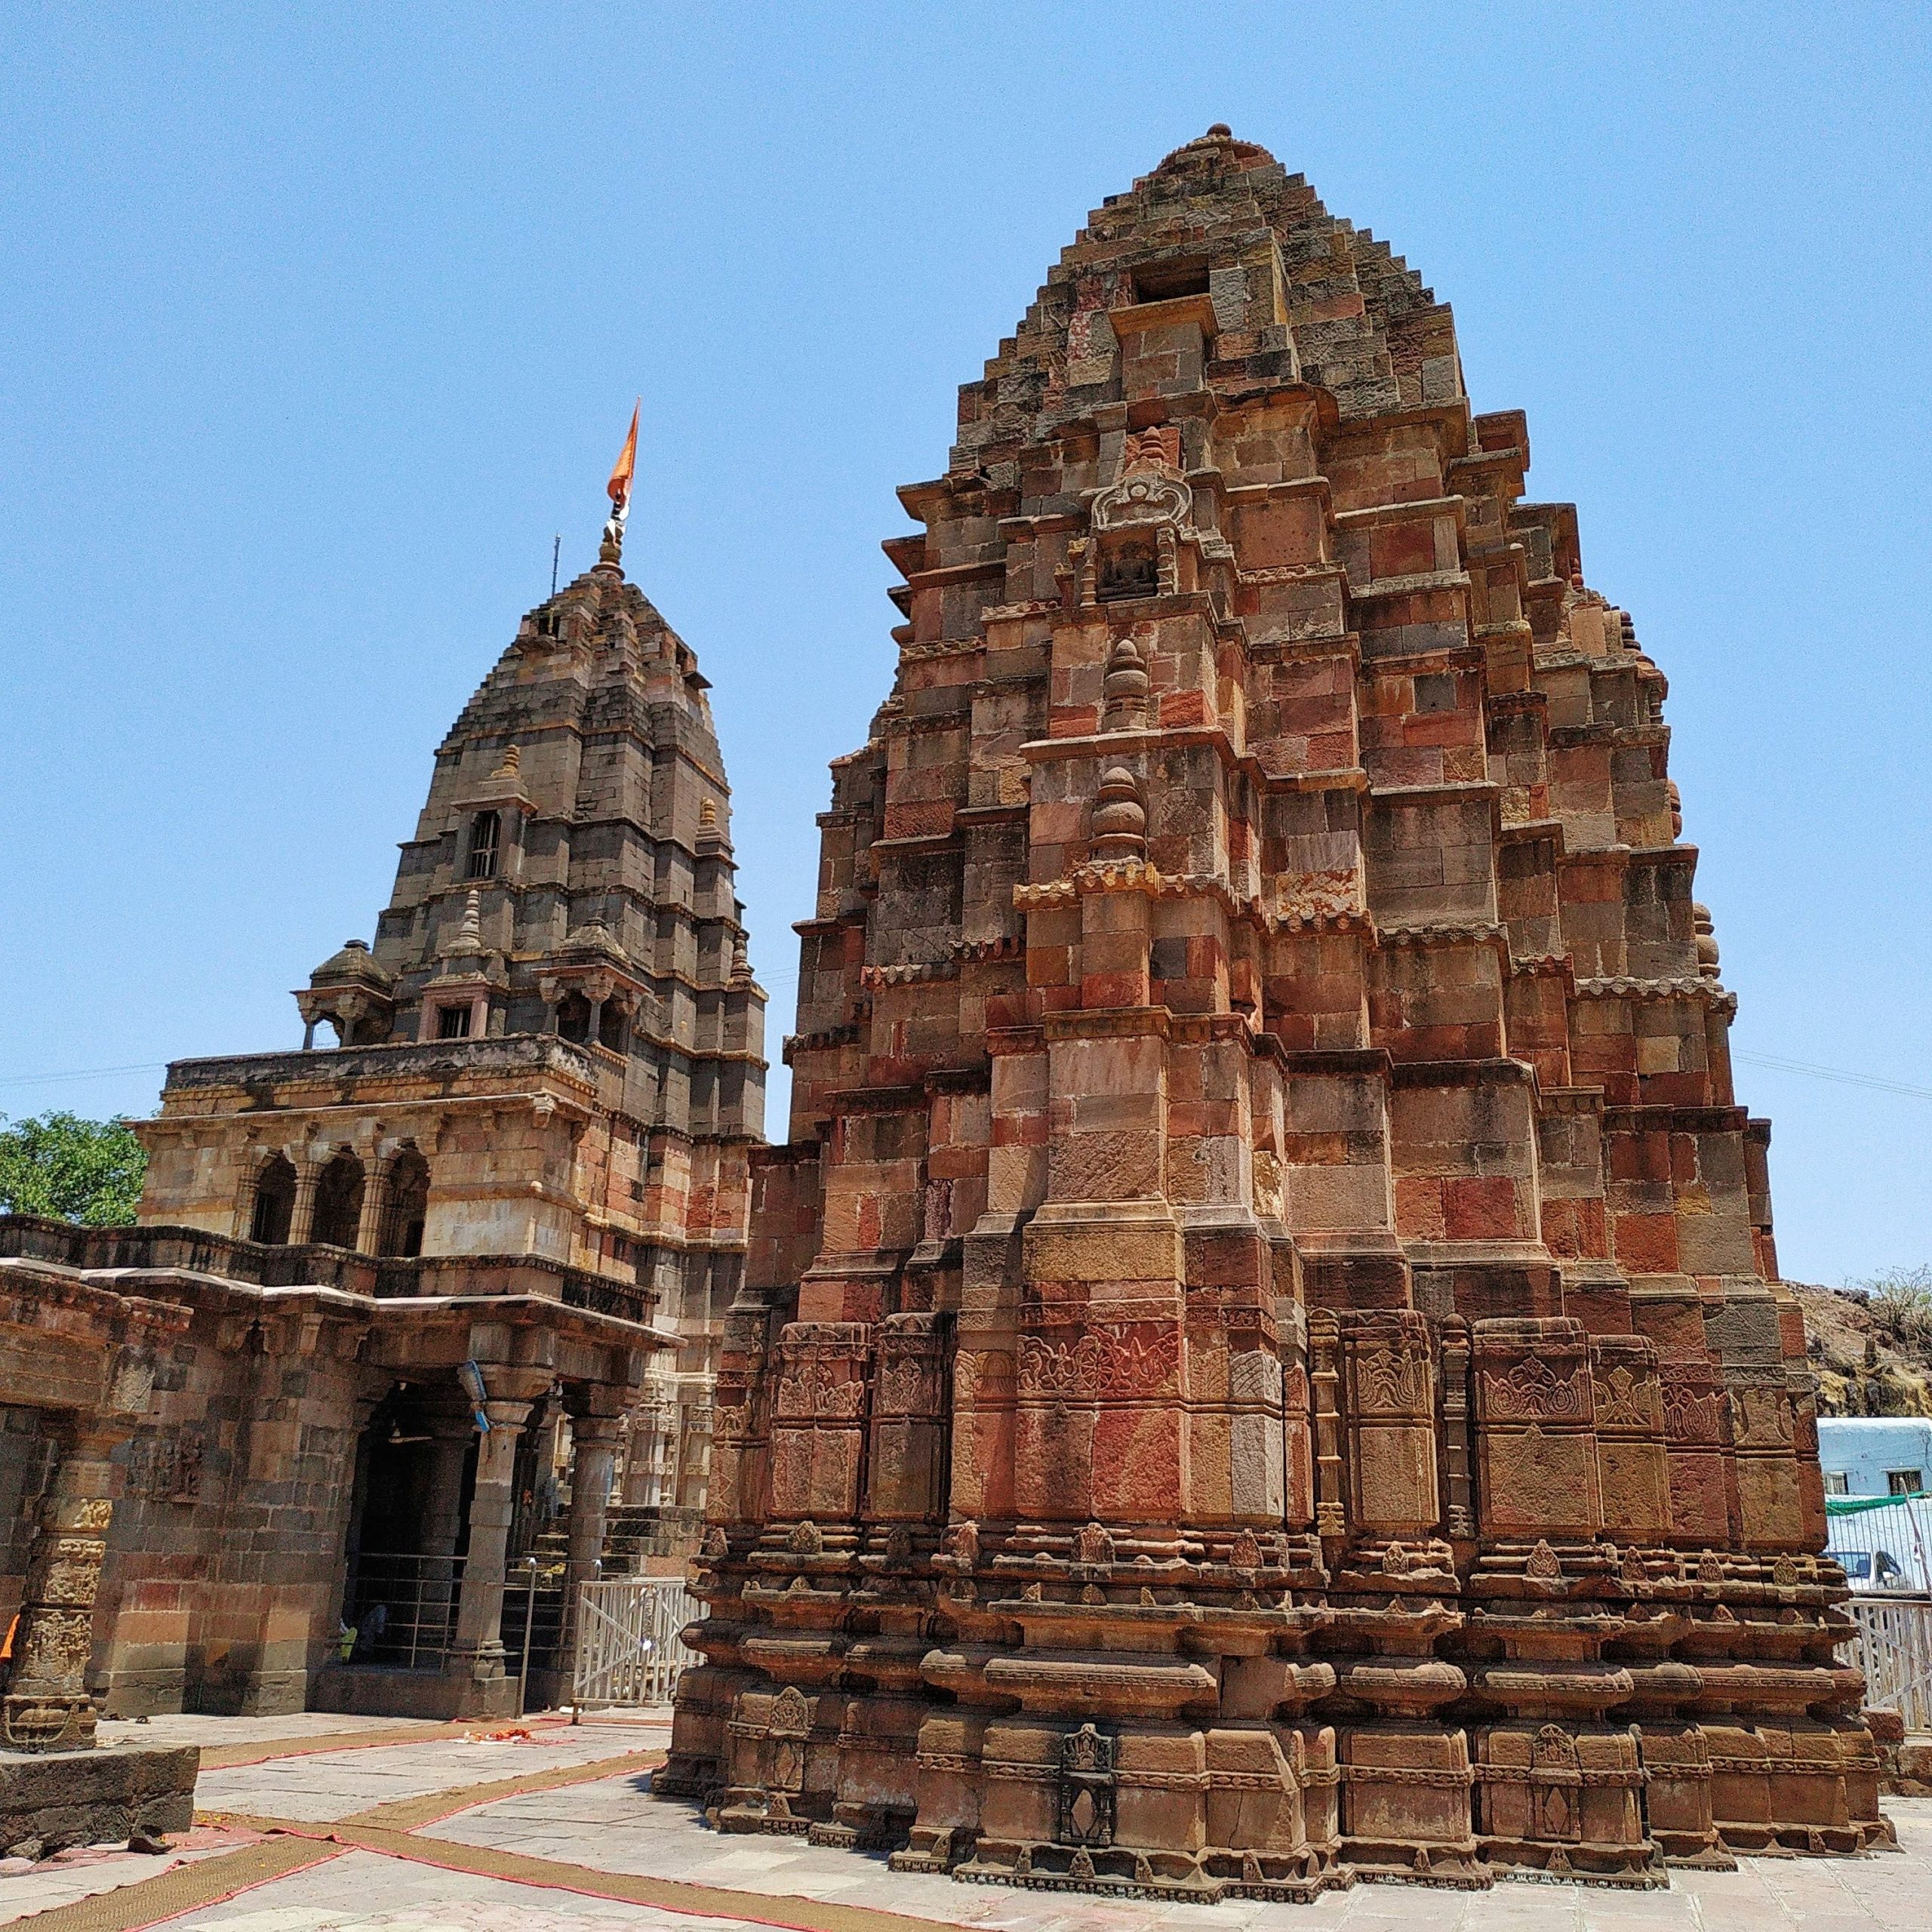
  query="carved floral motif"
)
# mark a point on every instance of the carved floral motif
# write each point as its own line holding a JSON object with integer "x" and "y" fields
{"x": 1127, "y": 1359}
{"x": 1394, "y": 1378}
{"x": 1628, "y": 1399}
{"x": 1534, "y": 1391}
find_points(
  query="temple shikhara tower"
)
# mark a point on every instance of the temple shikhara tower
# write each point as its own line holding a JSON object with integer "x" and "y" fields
{"x": 401, "y": 1303}
{"x": 1263, "y": 1359}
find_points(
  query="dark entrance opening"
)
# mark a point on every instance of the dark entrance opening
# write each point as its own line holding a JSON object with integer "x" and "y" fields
{"x": 573, "y": 1018}
{"x": 275, "y": 1201}
{"x": 408, "y": 1205}
{"x": 408, "y": 1531}
{"x": 339, "y": 1202}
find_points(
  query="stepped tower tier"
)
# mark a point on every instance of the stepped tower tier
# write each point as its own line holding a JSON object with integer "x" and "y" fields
{"x": 1262, "y": 1359}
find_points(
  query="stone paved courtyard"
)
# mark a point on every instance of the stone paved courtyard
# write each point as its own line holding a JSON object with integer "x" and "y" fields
{"x": 414, "y": 1801}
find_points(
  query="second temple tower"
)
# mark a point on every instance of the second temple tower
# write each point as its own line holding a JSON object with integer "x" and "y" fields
{"x": 1263, "y": 1359}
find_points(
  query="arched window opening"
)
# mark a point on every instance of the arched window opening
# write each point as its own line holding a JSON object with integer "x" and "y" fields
{"x": 485, "y": 830}
{"x": 408, "y": 1205}
{"x": 610, "y": 1028}
{"x": 339, "y": 1202}
{"x": 275, "y": 1201}
{"x": 574, "y": 1017}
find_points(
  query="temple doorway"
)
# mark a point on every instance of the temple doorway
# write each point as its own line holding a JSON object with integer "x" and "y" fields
{"x": 415, "y": 1470}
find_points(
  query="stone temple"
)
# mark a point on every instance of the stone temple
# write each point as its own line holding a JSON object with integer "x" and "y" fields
{"x": 515, "y": 1185}
{"x": 1262, "y": 1361}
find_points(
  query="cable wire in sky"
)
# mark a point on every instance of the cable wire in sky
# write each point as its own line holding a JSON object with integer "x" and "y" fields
{"x": 1833, "y": 1073}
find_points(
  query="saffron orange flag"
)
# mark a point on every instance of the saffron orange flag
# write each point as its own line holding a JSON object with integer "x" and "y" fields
{"x": 621, "y": 477}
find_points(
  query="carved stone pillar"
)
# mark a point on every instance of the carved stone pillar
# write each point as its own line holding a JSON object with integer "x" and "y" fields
{"x": 243, "y": 1226}
{"x": 442, "y": 1521}
{"x": 375, "y": 1203}
{"x": 1324, "y": 1342}
{"x": 302, "y": 1220}
{"x": 479, "y": 1616}
{"x": 595, "y": 1439}
{"x": 47, "y": 1707}
{"x": 693, "y": 1476}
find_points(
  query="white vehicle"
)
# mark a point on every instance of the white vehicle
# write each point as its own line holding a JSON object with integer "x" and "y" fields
{"x": 1885, "y": 1542}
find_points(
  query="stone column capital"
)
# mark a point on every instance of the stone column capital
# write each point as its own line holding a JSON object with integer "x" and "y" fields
{"x": 507, "y": 1415}
{"x": 596, "y": 1431}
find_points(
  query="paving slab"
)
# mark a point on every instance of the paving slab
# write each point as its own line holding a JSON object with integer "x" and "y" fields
{"x": 616, "y": 1826}
{"x": 320, "y": 1789}
{"x": 196, "y": 1728}
{"x": 560, "y": 1847}
{"x": 360, "y": 1893}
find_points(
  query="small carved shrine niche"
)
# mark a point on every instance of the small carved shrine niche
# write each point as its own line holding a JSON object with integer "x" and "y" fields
{"x": 1086, "y": 1788}
{"x": 1130, "y": 566}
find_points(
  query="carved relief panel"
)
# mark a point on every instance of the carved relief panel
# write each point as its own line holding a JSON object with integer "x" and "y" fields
{"x": 1633, "y": 1474}
{"x": 1536, "y": 1446}
{"x": 909, "y": 1418}
{"x": 818, "y": 1419}
{"x": 1390, "y": 1410}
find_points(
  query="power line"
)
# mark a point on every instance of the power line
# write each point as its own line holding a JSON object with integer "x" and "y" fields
{"x": 1833, "y": 1073}
{"x": 82, "y": 1073}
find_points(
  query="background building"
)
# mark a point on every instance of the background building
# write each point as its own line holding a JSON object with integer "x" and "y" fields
{"x": 505, "y": 1179}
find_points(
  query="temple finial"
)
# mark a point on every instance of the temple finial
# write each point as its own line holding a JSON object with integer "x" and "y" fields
{"x": 470, "y": 934}
{"x": 611, "y": 550}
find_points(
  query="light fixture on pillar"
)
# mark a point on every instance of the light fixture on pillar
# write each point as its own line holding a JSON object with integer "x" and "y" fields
{"x": 470, "y": 1376}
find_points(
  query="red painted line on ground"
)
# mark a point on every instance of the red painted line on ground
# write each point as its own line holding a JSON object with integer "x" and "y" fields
{"x": 419, "y": 1854}
{"x": 220, "y": 1898}
{"x": 370, "y": 1740}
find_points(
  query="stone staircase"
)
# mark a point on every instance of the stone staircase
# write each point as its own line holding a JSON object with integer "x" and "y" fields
{"x": 646, "y": 1539}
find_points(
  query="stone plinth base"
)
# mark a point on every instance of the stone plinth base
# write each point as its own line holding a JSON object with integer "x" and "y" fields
{"x": 51, "y": 1800}
{"x": 369, "y": 1691}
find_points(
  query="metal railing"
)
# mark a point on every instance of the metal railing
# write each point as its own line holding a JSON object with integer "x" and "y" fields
{"x": 630, "y": 1645}
{"x": 401, "y": 1610}
{"x": 1894, "y": 1648}
{"x": 1883, "y": 1542}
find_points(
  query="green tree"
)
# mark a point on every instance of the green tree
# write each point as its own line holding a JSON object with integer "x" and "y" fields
{"x": 74, "y": 1170}
{"x": 1901, "y": 1298}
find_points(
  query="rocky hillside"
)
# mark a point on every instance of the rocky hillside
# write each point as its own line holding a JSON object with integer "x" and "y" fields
{"x": 1871, "y": 1350}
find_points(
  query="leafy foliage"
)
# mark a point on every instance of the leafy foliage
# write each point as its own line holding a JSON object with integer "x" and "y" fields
{"x": 74, "y": 1170}
{"x": 1901, "y": 1298}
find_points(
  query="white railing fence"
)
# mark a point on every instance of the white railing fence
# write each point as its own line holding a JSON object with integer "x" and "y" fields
{"x": 1894, "y": 1648}
{"x": 1883, "y": 1542}
{"x": 629, "y": 1645}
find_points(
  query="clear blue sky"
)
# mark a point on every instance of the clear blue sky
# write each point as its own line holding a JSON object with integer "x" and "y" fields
{"x": 316, "y": 324}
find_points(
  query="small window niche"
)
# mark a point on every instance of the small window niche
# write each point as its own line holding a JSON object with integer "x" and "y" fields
{"x": 275, "y": 1201}
{"x": 1168, "y": 282}
{"x": 408, "y": 1205}
{"x": 573, "y": 1018}
{"x": 486, "y": 832}
{"x": 453, "y": 1022}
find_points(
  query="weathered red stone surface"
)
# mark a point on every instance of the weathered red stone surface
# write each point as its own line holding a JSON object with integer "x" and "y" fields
{"x": 1263, "y": 1359}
